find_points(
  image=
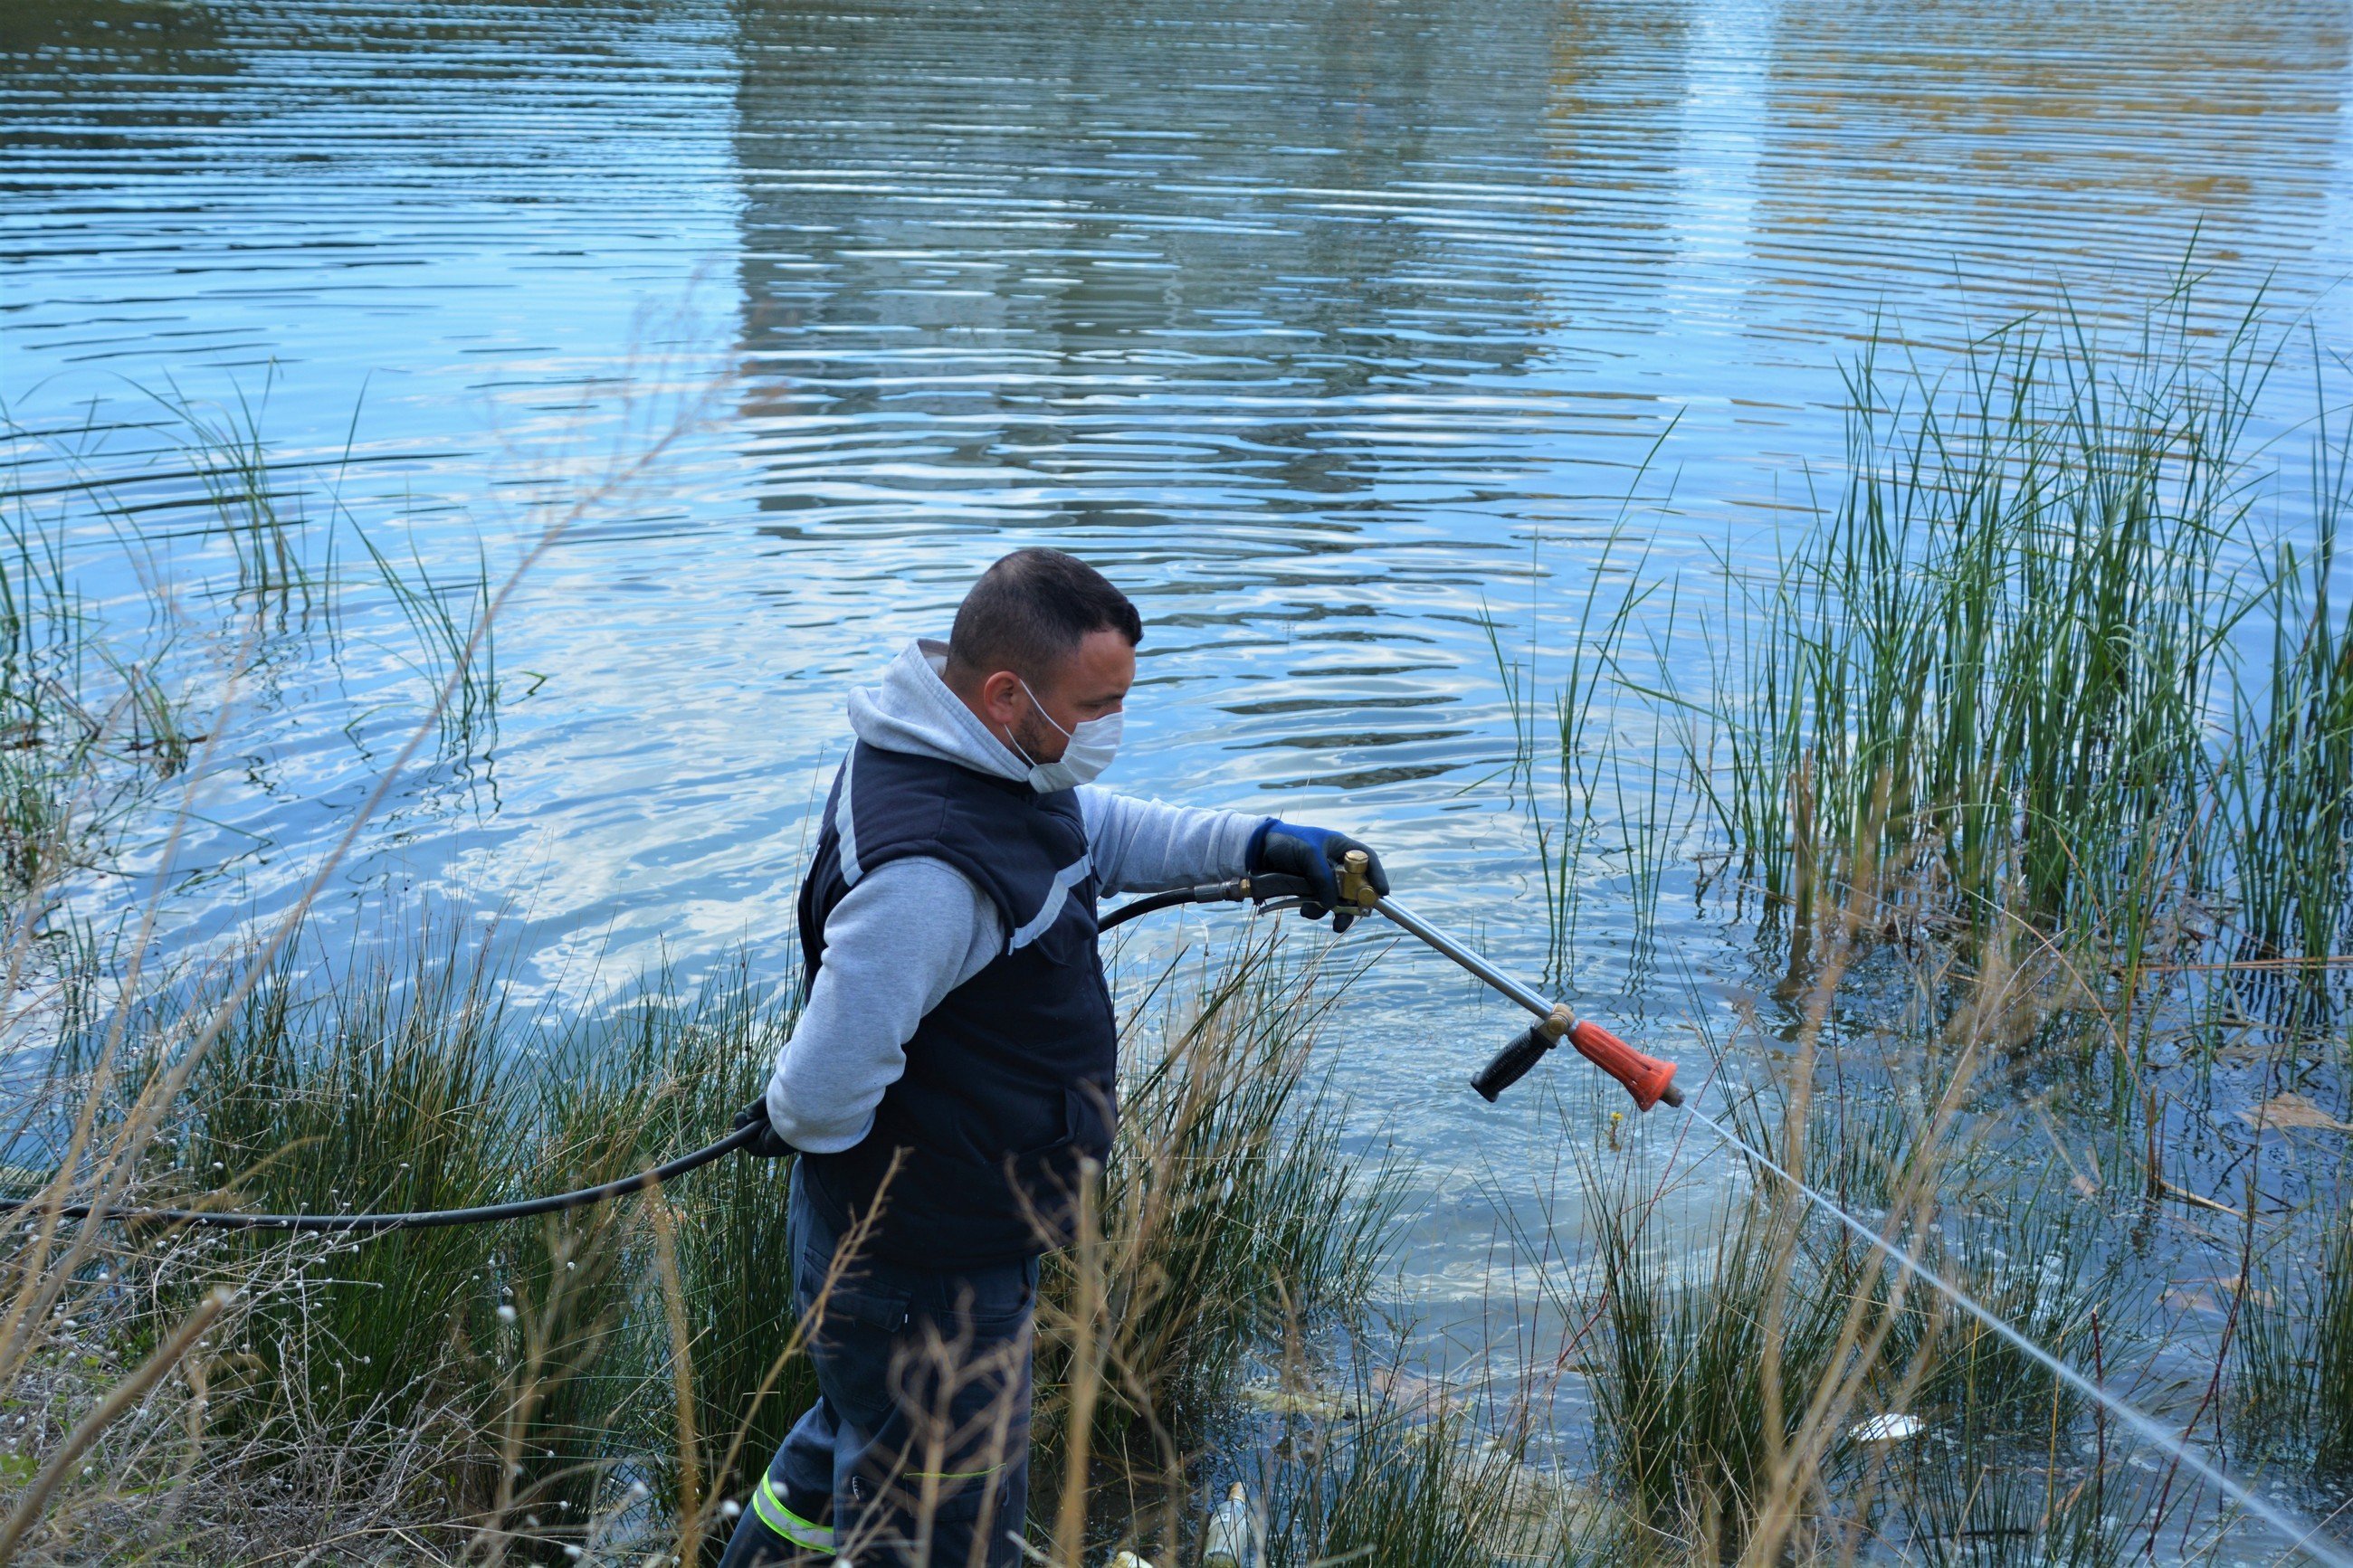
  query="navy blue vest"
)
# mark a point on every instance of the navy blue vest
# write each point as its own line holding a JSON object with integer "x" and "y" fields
{"x": 1012, "y": 1079}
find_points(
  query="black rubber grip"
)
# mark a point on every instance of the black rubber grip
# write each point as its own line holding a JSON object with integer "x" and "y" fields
{"x": 1512, "y": 1064}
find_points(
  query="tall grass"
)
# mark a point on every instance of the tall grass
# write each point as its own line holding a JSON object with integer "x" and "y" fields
{"x": 522, "y": 1383}
{"x": 1414, "y": 1482}
{"x": 2295, "y": 1358}
{"x": 1688, "y": 1398}
{"x": 248, "y": 501}
{"x": 2285, "y": 790}
{"x": 408, "y": 1080}
{"x": 386, "y": 1092}
{"x": 1766, "y": 1387}
{"x": 2037, "y": 744}
{"x": 2005, "y": 673}
{"x": 1230, "y": 1206}
{"x": 1984, "y": 677}
{"x": 1605, "y": 802}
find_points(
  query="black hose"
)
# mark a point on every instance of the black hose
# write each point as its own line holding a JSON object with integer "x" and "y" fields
{"x": 1167, "y": 900}
{"x": 1232, "y": 890}
{"x": 1264, "y": 889}
{"x": 420, "y": 1219}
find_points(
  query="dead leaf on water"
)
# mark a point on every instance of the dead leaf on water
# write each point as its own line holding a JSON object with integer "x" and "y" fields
{"x": 1294, "y": 1401}
{"x": 2196, "y": 1299}
{"x": 2293, "y": 1111}
{"x": 2237, "y": 1285}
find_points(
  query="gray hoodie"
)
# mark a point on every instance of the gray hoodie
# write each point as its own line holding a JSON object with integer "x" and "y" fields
{"x": 915, "y": 930}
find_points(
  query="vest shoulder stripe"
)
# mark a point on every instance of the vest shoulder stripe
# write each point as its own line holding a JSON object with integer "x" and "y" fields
{"x": 845, "y": 825}
{"x": 1069, "y": 877}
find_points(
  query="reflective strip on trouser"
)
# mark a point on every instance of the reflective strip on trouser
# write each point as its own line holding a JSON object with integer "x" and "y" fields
{"x": 869, "y": 1446}
{"x": 786, "y": 1522}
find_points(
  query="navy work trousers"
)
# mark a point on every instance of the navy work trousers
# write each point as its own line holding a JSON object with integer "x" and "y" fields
{"x": 916, "y": 1453}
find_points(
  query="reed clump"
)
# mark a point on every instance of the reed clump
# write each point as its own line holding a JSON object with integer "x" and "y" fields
{"x": 1768, "y": 1386}
{"x": 587, "y": 1377}
{"x": 2295, "y": 1383}
{"x": 1688, "y": 1404}
{"x": 2059, "y": 645}
{"x": 1396, "y": 1469}
{"x": 518, "y": 1357}
{"x": 1230, "y": 1207}
{"x": 2030, "y": 756}
{"x": 1983, "y": 679}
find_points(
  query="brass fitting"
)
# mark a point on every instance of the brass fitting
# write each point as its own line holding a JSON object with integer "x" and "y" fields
{"x": 1355, "y": 887}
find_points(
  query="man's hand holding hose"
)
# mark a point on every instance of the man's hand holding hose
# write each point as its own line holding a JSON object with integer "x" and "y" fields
{"x": 770, "y": 1144}
{"x": 1316, "y": 856}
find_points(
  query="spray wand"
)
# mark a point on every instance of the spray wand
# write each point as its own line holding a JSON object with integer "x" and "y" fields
{"x": 1647, "y": 1078}
{"x": 1650, "y": 1080}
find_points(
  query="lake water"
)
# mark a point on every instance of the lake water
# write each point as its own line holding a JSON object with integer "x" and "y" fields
{"x": 1326, "y": 329}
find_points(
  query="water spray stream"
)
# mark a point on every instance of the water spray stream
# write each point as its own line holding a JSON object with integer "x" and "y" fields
{"x": 2301, "y": 1534}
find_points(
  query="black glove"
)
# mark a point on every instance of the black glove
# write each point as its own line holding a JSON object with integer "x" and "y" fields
{"x": 770, "y": 1144}
{"x": 1314, "y": 854}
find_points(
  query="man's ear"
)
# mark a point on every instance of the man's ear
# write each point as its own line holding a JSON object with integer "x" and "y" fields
{"x": 1000, "y": 699}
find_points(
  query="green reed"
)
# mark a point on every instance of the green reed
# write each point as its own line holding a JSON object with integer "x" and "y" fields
{"x": 249, "y": 503}
{"x": 2021, "y": 1510}
{"x": 727, "y": 1272}
{"x": 115, "y": 657}
{"x": 2032, "y": 1260}
{"x": 387, "y": 1089}
{"x": 521, "y": 1379}
{"x": 2285, "y": 803}
{"x": 456, "y": 648}
{"x": 1231, "y": 1183}
{"x": 1984, "y": 676}
{"x": 543, "y": 1345}
{"x": 1735, "y": 1374}
{"x": 1562, "y": 761}
{"x": 1700, "y": 1376}
{"x": 1406, "y": 1482}
{"x": 2294, "y": 1359}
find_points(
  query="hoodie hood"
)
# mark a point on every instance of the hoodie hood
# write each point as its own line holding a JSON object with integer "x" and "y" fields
{"x": 911, "y": 710}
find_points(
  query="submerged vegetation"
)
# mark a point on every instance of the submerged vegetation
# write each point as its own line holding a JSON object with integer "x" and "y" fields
{"x": 2027, "y": 768}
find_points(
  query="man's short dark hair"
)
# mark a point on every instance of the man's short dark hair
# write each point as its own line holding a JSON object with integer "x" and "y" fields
{"x": 1029, "y": 610}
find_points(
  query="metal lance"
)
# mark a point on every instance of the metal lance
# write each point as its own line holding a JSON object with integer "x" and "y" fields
{"x": 1650, "y": 1080}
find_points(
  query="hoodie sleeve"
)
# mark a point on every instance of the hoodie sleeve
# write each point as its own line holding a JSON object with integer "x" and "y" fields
{"x": 1143, "y": 846}
{"x": 906, "y": 935}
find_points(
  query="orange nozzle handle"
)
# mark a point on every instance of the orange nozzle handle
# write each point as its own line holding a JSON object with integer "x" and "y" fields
{"x": 1647, "y": 1078}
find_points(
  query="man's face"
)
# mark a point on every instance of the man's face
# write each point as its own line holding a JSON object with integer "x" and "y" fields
{"x": 1088, "y": 684}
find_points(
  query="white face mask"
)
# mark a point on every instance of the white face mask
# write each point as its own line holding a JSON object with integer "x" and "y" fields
{"x": 1092, "y": 747}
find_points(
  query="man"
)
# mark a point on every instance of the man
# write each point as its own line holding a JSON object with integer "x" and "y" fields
{"x": 954, "y": 1068}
